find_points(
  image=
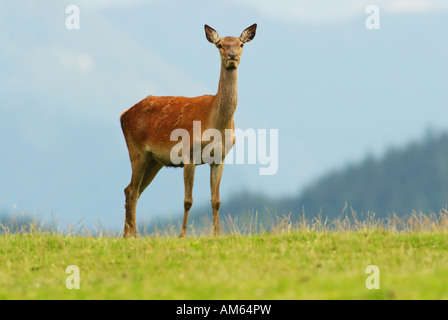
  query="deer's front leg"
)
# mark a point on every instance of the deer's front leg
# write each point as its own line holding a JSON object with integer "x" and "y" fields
{"x": 188, "y": 200}
{"x": 215, "y": 180}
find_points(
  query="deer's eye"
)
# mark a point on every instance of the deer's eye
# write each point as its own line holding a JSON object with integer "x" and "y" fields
{"x": 219, "y": 46}
{"x": 242, "y": 45}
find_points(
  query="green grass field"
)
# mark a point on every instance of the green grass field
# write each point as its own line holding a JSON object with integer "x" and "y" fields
{"x": 291, "y": 263}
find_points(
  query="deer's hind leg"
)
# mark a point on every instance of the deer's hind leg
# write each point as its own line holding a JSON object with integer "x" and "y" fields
{"x": 151, "y": 170}
{"x": 140, "y": 160}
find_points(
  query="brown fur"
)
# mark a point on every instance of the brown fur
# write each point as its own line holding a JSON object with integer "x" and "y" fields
{"x": 147, "y": 128}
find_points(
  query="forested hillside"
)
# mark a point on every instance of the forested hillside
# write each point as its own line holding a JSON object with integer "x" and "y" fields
{"x": 415, "y": 178}
{"x": 403, "y": 180}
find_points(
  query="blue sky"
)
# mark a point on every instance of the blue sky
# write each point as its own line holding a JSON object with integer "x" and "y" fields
{"x": 334, "y": 90}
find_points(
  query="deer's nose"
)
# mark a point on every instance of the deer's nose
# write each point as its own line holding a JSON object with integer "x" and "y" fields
{"x": 232, "y": 56}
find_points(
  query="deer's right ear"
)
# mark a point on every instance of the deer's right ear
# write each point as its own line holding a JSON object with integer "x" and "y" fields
{"x": 211, "y": 34}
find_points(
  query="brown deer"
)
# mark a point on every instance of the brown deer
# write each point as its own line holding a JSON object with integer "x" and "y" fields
{"x": 148, "y": 125}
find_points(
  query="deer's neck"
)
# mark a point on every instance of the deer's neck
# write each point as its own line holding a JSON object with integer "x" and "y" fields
{"x": 226, "y": 99}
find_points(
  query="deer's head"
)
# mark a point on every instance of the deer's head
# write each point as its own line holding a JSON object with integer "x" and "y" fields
{"x": 230, "y": 48}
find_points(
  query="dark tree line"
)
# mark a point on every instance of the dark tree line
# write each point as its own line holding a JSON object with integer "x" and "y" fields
{"x": 413, "y": 178}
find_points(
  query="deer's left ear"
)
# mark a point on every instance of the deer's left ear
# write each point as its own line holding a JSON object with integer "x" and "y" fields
{"x": 248, "y": 34}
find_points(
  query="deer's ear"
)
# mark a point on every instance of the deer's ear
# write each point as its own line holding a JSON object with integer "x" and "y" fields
{"x": 211, "y": 34}
{"x": 248, "y": 34}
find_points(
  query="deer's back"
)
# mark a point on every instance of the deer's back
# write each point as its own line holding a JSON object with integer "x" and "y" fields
{"x": 151, "y": 121}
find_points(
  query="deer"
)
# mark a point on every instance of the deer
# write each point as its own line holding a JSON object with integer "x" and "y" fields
{"x": 147, "y": 128}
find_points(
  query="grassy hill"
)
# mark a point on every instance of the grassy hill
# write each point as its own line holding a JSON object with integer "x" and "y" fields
{"x": 285, "y": 265}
